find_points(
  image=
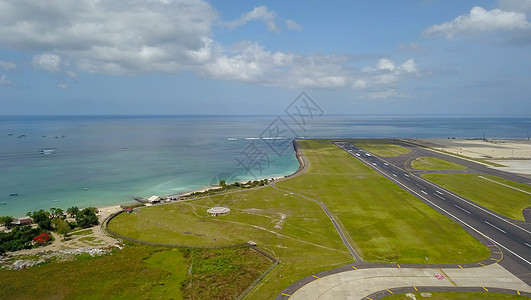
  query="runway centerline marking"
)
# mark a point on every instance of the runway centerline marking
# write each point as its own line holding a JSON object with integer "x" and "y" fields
{"x": 496, "y": 227}
{"x": 528, "y": 245}
{"x": 451, "y": 215}
{"x": 424, "y": 192}
{"x": 439, "y": 196}
{"x": 464, "y": 210}
{"x": 439, "y": 192}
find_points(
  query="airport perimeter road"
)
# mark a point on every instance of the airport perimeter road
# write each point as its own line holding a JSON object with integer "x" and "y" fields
{"x": 511, "y": 238}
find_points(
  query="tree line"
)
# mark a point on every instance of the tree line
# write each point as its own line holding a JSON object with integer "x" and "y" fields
{"x": 21, "y": 237}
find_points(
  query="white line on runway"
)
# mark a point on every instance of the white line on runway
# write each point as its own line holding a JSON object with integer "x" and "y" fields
{"x": 496, "y": 227}
{"x": 528, "y": 245}
{"x": 420, "y": 186}
{"x": 406, "y": 175}
{"x": 407, "y": 178}
{"x": 439, "y": 196}
{"x": 463, "y": 209}
{"x": 394, "y": 175}
{"x": 424, "y": 192}
{"x": 439, "y": 192}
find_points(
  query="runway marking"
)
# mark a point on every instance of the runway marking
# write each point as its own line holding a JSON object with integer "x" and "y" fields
{"x": 407, "y": 178}
{"x": 518, "y": 292}
{"x": 459, "y": 220}
{"x": 367, "y": 298}
{"x": 485, "y": 289}
{"x": 286, "y": 295}
{"x": 527, "y": 245}
{"x": 399, "y": 266}
{"x": 481, "y": 264}
{"x": 415, "y": 288}
{"x": 315, "y": 276}
{"x": 462, "y": 209}
{"x": 439, "y": 192}
{"x": 424, "y": 192}
{"x": 439, "y": 196}
{"x": 392, "y": 292}
{"x": 512, "y": 187}
{"x": 406, "y": 175}
{"x": 420, "y": 186}
{"x": 496, "y": 227}
{"x": 354, "y": 268}
{"x": 394, "y": 175}
{"x": 460, "y": 266}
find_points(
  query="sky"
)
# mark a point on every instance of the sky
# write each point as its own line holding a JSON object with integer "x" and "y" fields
{"x": 422, "y": 57}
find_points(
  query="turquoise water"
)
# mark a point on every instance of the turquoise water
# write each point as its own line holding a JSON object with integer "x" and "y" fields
{"x": 97, "y": 161}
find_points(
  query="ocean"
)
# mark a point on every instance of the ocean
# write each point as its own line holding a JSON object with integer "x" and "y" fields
{"x": 63, "y": 161}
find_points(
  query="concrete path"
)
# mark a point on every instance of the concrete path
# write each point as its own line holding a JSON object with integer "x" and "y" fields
{"x": 358, "y": 284}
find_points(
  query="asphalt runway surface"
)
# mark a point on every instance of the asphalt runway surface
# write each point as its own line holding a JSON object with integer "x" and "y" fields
{"x": 512, "y": 237}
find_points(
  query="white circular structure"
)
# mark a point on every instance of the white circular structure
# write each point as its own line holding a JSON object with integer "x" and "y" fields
{"x": 218, "y": 211}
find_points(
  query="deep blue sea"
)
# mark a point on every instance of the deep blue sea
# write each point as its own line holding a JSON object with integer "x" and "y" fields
{"x": 96, "y": 161}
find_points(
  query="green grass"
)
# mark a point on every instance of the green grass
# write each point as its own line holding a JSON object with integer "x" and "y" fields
{"x": 305, "y": 241}
{"x": 433, "y": 163}
{"x": 456, "y": 296}
{"x": 139, "y": 272}
{"x": 381, "y": 148}
{"x": 498, "y": 198}
{"x": 387, "y": 224}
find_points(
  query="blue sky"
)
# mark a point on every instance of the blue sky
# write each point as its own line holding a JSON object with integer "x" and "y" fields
{"x": 251, "y": 57}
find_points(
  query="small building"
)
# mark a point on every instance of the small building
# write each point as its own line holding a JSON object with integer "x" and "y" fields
{"x": 153, "y": 199}
{"x": 218, "y": 211}
{"x": 23, "y": 221}
{"x": 128, "y": 210}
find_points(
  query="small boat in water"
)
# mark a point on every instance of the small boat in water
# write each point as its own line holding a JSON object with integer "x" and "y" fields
{"x": 47, "y": 151}
{"x": 13, "y": 194}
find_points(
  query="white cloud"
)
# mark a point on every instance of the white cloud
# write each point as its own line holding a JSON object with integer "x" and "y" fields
{"x": 6, "y": 65}
{"x": 5, "y": 81}
{"x": 170, "y": 36}
{"x": 515, "y": 5}
{"x": 47, "y": 61}
{"x": 292, "y": 25}
{"x": 72, "y": 74}
{"x": 386, "y": 73}
{"x": 386, "y": 94}
{"x": 63, "y": 86}
{"x": 415, "y": 47}
{"x": 480, "y": 21}
{"x": 258, "y": 13}
{"x": 110, "y": 36}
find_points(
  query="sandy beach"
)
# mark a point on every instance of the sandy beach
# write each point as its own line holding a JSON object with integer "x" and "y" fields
{"x": 514, "y": 154}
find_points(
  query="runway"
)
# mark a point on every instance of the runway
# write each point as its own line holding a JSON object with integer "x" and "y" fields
{"x": 513, "y": 237}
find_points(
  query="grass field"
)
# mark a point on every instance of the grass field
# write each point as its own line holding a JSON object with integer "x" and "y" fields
{"x": 295, "y": 231}
{"x": 386, "y": 223}
{"x": 456, "y": 296}
{"x": 433, "y": 163}
{"x": 379, "y": 148}
{"x": 139, "y": 272}
{"x": 501, "y": 199}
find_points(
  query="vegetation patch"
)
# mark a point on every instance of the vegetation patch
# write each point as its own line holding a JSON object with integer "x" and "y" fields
{"x": 385, "y": 223}
{"x": 433, "y": 163}
{"x": 453, "y": 295}
{"x": 501, "y": 199}
{"x": 138, "y": 272}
